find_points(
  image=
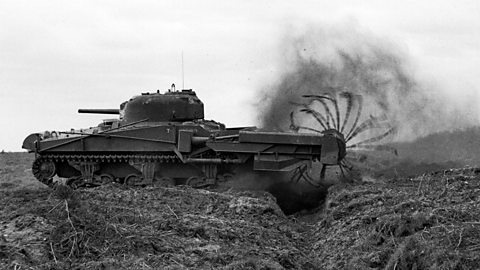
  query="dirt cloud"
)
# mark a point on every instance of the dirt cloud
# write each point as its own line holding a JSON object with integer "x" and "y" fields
{"x": 332, "y": 59}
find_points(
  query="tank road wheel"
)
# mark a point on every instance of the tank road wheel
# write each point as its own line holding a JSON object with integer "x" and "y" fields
{"x": 44, "y": 170}
{"x": 163, "y": 182}
{"x": 106, "y": 178}
{"x": 197, "y": 182}
{"x": 133, "y": 180}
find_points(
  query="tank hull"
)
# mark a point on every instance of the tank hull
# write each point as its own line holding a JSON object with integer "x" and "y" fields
{"x": 196, "y": 152}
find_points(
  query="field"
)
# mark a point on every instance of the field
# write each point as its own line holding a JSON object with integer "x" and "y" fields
{"x": 427, "y": 221}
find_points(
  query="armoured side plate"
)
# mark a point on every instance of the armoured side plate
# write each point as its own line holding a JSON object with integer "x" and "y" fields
{"x": 185, "y": 140}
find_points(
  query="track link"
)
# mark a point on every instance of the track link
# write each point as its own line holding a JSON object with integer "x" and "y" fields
{"x": 111, "y": 158}
{"x": 43, "y": 171}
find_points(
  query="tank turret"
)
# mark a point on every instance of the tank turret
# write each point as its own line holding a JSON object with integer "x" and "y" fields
{"x": 172, "y": 106}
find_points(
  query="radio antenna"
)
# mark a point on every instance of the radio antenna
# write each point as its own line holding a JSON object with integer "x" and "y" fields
{"x": 183, "y": 74}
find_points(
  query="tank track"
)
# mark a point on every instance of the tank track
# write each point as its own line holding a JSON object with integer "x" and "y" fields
{"x": 112, "y": 158}
{"x": 44, "y": 163}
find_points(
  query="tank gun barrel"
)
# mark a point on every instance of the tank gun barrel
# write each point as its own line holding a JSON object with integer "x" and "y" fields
{"x": 100, "y": 111}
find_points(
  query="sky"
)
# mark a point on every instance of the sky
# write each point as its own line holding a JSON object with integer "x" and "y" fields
{"x": 58, "y": 56}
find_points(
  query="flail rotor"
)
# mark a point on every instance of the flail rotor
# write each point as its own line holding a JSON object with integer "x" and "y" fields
{"x": 342, "y": 113}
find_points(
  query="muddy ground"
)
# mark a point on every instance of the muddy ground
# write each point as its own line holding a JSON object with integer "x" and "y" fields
{"x": 430, "y": 221}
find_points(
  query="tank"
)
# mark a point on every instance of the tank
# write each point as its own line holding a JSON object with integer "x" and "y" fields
{"x": 163, "y": 139}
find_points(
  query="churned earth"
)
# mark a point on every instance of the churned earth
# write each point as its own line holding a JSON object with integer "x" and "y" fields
{"x": 430, "y": 221}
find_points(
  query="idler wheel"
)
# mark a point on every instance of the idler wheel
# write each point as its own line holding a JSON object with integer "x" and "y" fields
{"x": 43, "y": 170}
{"x": 197, "y": 182}
{"x": 133, "y": 180}
{"x": 164, "y": 182}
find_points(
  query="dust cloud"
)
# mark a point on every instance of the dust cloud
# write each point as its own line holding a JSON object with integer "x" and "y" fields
{"x": 329, "y": 60}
